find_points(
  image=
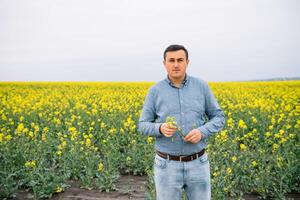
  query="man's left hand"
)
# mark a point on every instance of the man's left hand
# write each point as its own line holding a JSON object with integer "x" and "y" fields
{"x": 193, "y": 136}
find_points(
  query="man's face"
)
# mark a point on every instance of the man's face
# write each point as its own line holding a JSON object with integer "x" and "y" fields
{"x": 176, "y": 64}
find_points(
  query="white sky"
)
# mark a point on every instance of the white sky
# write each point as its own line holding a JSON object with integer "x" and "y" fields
{"x": 123, "y": 40}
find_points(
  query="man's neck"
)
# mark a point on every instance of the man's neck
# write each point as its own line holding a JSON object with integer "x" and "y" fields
{"x": 177, "y": 82}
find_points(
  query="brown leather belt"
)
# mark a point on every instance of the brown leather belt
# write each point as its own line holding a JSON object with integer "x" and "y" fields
{"x": 181, "y": 158}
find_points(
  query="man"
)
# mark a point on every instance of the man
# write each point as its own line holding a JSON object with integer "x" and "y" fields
{"x": 181, "y": 112}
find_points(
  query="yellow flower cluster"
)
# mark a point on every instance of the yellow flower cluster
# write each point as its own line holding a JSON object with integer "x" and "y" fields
{"x": 95, "y": 118}
{"x": 30, "y": 164}
{"x": 100, "y": 167}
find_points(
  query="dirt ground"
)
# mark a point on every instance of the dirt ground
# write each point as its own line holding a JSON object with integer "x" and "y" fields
{"x": 127, "y": 187}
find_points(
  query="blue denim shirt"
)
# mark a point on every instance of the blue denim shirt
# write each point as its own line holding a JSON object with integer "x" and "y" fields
{"x": 193, "y": 105}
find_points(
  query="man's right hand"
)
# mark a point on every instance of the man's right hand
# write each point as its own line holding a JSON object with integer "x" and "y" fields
{"x": 167, "y": 130}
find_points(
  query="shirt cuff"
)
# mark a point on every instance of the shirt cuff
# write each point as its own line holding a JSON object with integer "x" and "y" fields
{"x": 157, "y": 130}
{"x": 204, "y": 132}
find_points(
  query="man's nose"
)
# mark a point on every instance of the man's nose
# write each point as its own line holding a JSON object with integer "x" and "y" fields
{"x": 176, "y": 64}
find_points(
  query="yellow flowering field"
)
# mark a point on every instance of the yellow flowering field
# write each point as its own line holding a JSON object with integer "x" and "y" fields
{"x": 51, "y": 133}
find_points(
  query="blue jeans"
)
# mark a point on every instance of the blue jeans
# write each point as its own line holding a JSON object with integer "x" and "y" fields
{"x": 171, "y": 177}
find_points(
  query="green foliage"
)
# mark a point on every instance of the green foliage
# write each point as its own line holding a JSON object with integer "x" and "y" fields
{"x": 53, "y": 133}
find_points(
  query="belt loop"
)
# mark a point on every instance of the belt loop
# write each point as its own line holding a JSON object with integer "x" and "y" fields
{"x": 180, "y": 158}
{"x": 168, "y": 156}
{"x": 197, "y": 155}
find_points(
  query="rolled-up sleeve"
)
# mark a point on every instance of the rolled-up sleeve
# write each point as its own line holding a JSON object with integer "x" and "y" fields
{"x": 216, "y": 117}
{"x": 147, "y": 125}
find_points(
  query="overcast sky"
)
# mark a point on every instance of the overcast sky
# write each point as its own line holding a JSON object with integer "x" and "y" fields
{"x": 123, "y": 40}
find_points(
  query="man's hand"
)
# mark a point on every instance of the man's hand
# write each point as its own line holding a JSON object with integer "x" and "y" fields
{"x": 193, "y": 136}
{"x": 167, "y": 130}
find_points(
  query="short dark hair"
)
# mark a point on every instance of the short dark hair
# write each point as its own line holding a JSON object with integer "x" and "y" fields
{"x": 176, "y": 47}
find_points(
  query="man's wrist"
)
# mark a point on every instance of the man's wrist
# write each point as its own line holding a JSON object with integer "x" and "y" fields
{"x": 160, "y": 129}
{"x": 158, "y": 132}
{"x": 204, "y": 132}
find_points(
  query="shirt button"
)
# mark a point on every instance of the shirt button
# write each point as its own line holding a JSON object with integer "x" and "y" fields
{"x": 182, "y": 126}
{"x": 182, "y": 113}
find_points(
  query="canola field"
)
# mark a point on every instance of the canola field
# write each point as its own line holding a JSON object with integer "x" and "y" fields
{"x": 51, "y": 133}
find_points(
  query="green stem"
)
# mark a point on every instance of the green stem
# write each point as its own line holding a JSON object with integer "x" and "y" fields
{"x": 181, "y": 133}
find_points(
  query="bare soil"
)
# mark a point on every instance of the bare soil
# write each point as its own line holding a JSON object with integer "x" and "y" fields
{"x": 127, "y": 187}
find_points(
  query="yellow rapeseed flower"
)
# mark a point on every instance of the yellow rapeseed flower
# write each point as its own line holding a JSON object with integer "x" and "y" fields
{"x": 233, "y": 158}
{"x": 58, "y": 189}
{"x": 254, "y": 163}
{"x": 1, "y": 137}
{"x": 58, "y": 153}
{"x": 100, "y": 167}
{"x": 242, "y": 146}
{"x": 229, "y": 170}
{"x": 171, "y": 121}
{"x": 133, "y": 142}
{"x": 128, "y": 158}
{"x": 30, "y": 164}
{"x": 242, "y": 124}
{"x": 215, "y": 174}
{"x": 149, "y": 140}
{"x": 267, "y": 134}
{"x": 20, "y": 128}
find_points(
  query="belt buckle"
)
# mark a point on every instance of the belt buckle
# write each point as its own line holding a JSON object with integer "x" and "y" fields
{"x": 180, "y": 158}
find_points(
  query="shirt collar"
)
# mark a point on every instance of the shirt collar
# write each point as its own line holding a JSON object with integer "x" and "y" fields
{"x": 184, "y": 82}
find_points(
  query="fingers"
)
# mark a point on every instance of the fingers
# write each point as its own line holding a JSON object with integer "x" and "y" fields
{"x": 171, "y": 126}
{"x": 194, "y": 140}
{"x": 167, "y": 130}
{"x": 193, "y": 136}
{"x": 188, "y": 136}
